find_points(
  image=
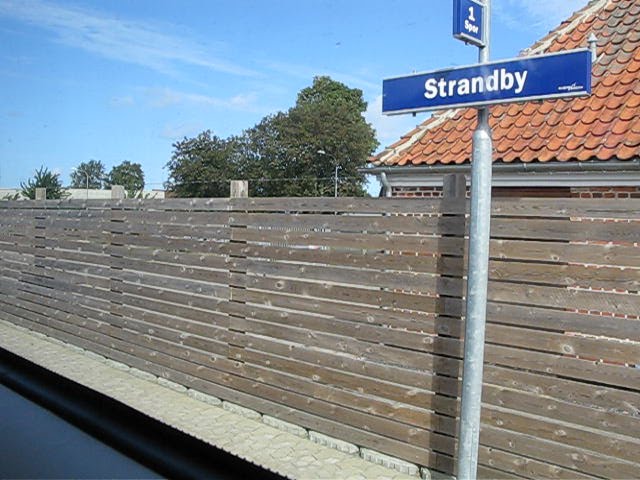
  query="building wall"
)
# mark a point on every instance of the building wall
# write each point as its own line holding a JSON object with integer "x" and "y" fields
{"x": 605, "y": 192}
{"x": 546, "y": 192}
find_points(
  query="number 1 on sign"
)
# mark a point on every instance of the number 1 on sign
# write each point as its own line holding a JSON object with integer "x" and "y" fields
{"x": 471, "y": 16}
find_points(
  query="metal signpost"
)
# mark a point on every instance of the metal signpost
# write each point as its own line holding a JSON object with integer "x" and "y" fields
{"x": 558, "y": 75}
{"x": 477, "y": 281}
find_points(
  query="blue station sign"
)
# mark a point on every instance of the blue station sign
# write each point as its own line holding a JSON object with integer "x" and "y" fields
{"x": 555, "y": 75}
{"x": 468, "y": 23}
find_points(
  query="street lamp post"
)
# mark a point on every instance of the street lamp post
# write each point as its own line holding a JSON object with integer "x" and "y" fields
{"x": 87, "y": 177}
{"x": 335, "y": 172}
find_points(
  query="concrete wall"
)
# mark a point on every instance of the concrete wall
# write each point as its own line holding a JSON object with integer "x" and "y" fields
{"x": 82, "y": 193}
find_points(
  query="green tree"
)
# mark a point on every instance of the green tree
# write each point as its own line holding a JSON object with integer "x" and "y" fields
{"x": 284, "y": 150}
{"x": 297, "y": 152}
{"x": 43, "y": 178}
{"x": 94, "y": 170}
{"x": 129, "y": 175}
{"x": 261, "y": 154}
{"x": 328, "y": 117}
{"x": 202, "y": 166}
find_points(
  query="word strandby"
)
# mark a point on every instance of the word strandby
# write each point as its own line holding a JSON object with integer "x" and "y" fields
{"x": 499, "y": 80}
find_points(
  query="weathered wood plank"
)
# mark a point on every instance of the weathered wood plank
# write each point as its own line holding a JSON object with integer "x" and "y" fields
{"x": 586, "y": 370}
{"x": 424, "y": 339}
{"x": 196, "y": 259}
{"x": 377, "y": 275}
{"x": 331, "y": 240}
{"x": 522, "y": 466}
{"x": 340, "y": 204}
{"x": 146, "y": 217}
{"x": 370, "y": 223}
{"x": 169, "y": 270}
{"x": 581, "y": 460}
{"x": 623, "y": 448}
{"x": 350, "y": 294}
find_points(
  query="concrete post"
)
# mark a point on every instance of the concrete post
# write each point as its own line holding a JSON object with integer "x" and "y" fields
{"x": 41, "y": 193}
{"x": 117, "y": 192}
{"x": 239, "y": 189}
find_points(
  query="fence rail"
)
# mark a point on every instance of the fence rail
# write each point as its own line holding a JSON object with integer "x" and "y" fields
{"x": 345, "y": 315}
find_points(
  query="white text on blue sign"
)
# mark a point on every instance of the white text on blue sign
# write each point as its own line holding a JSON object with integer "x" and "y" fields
{"x": 500, "y": 80}
{"x": 557, "y": 75}
{"x": 467, "y": 21}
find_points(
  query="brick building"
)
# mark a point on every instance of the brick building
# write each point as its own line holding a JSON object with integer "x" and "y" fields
{"x": 587, "y": 147}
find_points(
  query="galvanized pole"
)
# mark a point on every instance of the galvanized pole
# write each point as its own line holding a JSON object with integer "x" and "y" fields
{"x": 477, "y": 273}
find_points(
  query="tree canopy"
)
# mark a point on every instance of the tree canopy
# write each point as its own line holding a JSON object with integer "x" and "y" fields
{"x": 43, "y": 178}
{"x": 94, "y": 170}
{"x": 202, "y": 166}
{"x": 129, "y": 175}
{"x": 293, "y": 153}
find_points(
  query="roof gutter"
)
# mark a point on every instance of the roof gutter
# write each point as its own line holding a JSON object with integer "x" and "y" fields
{"x": 589, "y": 166}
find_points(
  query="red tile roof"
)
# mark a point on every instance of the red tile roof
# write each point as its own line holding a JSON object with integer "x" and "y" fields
{"x": 604, "y": 126}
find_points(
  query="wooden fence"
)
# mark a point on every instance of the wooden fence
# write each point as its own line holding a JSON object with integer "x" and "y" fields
{"x": 345, "y": 315}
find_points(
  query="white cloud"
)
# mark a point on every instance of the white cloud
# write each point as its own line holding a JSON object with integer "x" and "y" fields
{"x": 178, "y": 131}
{"x": 139, "y": 43}
{"x": 166, "y": 97}
{"x": 389, "y": 129}
{"x": 124, "y": 101}
{"x": 307, "y": 73}
{"x": 539, "y": 14}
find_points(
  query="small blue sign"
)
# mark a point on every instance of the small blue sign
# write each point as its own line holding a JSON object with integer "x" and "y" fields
{"x": 467, "y": 21}
{"x": 555, "y": 75}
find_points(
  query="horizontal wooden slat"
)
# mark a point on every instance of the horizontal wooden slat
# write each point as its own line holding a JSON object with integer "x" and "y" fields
{"x": 220, "y": 204}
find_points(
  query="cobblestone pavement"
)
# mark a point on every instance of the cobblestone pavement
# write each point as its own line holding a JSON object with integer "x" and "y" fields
{"x": 285, "y": 453}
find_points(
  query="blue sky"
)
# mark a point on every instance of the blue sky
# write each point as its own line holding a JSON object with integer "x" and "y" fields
{"x": 122, "y": 80}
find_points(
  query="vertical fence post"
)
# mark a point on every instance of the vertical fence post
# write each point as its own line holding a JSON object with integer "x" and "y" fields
{"x": 239, "y": 189}
{"x": 454, "y": 186}
{"x": 237, "y": 271}
{"x": 41, "y": 193}
{"x": 117, "y": 192}
{"x": 115, "y": 245}
{"x": 450, "y": 269}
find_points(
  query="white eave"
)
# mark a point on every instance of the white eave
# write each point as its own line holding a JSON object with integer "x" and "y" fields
{"x": 548, "y": 174}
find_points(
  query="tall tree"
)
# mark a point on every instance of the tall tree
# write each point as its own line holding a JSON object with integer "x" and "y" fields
{"x": 129, "y": 175}
{"x": 327, "y": 129}
{"x": 295, "y": 153}
{"x": 43, "y": 178}
{"x": 92, "y": 172}
{"x": 298, "y": 152}
{"x": 202, "y": 166}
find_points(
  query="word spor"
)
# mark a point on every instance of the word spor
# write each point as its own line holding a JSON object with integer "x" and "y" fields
{"x": 470, "y": 27}
{"x": 497, "y": 81}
